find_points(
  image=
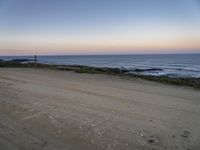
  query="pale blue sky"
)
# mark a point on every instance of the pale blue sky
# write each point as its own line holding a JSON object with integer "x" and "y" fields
{"x": 98, "y": 26}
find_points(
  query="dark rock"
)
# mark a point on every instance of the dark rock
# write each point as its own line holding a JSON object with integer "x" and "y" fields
{"x": 173, "y": 135}
{"x": 152, "y": 139}
{"x": 124, "y": 70}
{"x": 185, "y": 133}
{"x": 19, "y": 60}
{"x": 151, "y": 69}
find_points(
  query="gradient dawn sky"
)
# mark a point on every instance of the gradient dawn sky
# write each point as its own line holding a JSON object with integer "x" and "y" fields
{"x": 53, "y": 27}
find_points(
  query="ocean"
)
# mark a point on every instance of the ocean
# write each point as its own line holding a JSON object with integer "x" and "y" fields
{"x": 172, "y": 65}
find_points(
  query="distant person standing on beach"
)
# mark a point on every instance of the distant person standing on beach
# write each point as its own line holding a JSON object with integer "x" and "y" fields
{"x": 35, "y": 60}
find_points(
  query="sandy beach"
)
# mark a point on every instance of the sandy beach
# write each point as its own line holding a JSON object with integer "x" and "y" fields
{"x": 60, "y": 110}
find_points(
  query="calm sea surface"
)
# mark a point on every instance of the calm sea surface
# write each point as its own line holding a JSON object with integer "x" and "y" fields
{"x": 175, "y": 65}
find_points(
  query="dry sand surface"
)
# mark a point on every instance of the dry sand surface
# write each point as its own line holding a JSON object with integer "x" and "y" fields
{"x": 57, "y": 110}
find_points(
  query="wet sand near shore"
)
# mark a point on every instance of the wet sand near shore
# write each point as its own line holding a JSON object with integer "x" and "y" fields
{"x": 60, "y": 110}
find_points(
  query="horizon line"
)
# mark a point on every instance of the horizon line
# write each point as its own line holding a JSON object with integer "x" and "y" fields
{"x": 198, "y": 53}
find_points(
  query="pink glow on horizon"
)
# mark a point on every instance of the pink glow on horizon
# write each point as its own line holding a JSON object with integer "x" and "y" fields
{"x": 14, "y": 52}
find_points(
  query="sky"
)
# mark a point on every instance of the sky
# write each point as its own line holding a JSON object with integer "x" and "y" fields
{"x": 70, "y": 27}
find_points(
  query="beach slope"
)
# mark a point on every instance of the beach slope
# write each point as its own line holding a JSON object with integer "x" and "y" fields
{"x": 59, "y": 110}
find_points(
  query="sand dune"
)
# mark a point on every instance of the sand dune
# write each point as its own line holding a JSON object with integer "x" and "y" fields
{"x": 57, "y": 110}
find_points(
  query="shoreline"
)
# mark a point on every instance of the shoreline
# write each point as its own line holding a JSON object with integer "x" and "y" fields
{"x": 122, "y": 72}
{"x": 155, "y": 65}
